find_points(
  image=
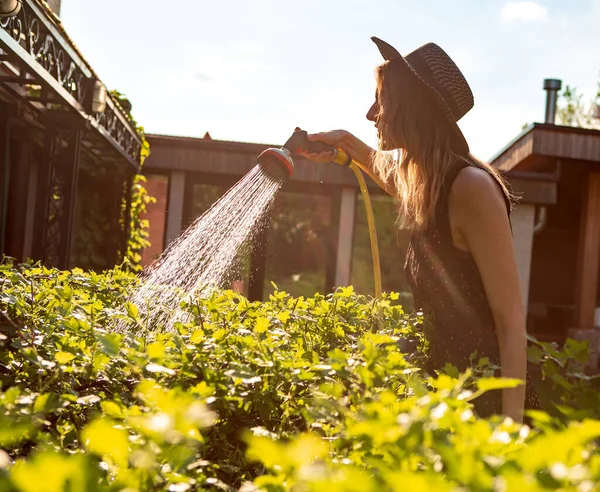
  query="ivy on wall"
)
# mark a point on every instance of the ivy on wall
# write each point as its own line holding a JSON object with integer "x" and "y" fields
{"x": 139, "y": 234}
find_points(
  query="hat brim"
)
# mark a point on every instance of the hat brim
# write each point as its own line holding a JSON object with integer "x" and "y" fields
{"x": 389, "y": 53}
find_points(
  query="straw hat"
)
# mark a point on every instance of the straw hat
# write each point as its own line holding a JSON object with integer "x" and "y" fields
{"x": 443, "y": 79}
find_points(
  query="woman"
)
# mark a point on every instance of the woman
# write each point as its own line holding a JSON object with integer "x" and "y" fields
{"x": 460, "y": 262}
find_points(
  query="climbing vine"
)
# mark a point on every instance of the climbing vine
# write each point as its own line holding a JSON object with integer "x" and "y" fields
{"x": 139, "y": 235}
{"x": 138, "y": 227}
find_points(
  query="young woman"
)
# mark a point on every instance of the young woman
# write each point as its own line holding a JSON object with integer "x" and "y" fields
{"x": 460, "y": 262}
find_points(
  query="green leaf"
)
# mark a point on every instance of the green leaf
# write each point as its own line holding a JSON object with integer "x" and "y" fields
{"x": 112, "y": 409}
{"x": 105, "y": 439}
{"x": 219, "y": 334}
{"x": 156, "y": 350}
{"x": 46, "y": 403}
{"x": 264, "y": 450}
{"x": 110, "y": 344}
{"x": 63, "y": 357}
{"x": 54, "y": 472}
{"x": 197, "y": 336}
{"x": 488, "y": 384}
{"x": 262, "y": 325}
{"x": 534, "y": 354}
{"x": 132, "y": 310}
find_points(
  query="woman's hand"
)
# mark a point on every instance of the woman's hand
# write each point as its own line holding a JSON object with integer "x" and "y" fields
{"x": 334, "y": 138}
{"x": 359, "y": 151}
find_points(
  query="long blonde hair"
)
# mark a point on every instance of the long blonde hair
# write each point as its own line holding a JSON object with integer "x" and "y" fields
{"x": 410, "y": 121}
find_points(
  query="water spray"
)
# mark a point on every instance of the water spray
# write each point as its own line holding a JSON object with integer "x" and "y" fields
{"x": 200, "y": 259}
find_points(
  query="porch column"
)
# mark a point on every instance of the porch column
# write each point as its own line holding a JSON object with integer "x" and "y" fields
{"x": 343, "y": 264}
{"x": 175, "y": 206}
{"x": 71, "y": 176}
{"x": 588, "y": 255}
{"x": 32, "y": 190}
{"x": 258, "y": 261}
{"x": 4, "y": 179}
{"x": 522, "y": 219}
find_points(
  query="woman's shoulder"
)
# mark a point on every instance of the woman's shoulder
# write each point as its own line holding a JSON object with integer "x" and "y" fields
{"x": 475, "y": 187}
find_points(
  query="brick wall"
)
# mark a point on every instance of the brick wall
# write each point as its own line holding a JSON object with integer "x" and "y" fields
{"x": 156, "y": 214}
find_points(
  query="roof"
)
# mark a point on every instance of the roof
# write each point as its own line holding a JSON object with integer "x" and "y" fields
{"x": 225, "y": 161}
{"x": 541, "y": 143}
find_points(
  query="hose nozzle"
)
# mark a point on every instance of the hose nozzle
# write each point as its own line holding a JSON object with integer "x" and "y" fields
{"x": 277, "y": 163}
{"x": 299, "y": 143}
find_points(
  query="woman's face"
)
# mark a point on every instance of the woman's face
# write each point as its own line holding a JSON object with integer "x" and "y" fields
{"x": 388, "y": 142}
{"x": 373, "y": 111}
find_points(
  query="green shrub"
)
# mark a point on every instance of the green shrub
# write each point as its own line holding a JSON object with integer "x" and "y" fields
{"x": 290, "y": 393}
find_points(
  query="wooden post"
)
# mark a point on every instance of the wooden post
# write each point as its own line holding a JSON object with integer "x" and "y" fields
{"x": 4, "y": 180}
{"x": 71, "y": 173}
{"x": 522, "y": 219}
{"x": 332, "y": 239}
{"x": 343, "y": 267}
{"x": 588, "y": 255}
{"x": 32, "y": 190}
{"x": 258, "y": 261}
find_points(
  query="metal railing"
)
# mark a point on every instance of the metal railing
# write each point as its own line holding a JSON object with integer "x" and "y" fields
{"x": 41, "y": 53}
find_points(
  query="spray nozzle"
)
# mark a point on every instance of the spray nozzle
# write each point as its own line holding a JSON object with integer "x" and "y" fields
{"x": 278, "y": 163}
{"x": 299, "y": 143}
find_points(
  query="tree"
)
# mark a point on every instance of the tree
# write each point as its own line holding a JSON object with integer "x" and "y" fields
{"x": 572, "y": 111}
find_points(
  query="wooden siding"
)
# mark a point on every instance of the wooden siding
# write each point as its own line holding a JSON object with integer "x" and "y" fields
{"x": 588, "y": 264}
{"x": 531, "y": 191}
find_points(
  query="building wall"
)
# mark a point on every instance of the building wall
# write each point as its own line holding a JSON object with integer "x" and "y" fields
{"x": 157, "y": 187}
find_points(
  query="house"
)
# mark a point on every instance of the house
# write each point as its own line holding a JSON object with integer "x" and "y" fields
{"x": 561, "y": 237}
{"x": 68, "y": 148}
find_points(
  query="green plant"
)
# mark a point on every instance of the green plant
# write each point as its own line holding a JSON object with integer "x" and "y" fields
{"x": 569, "y": 392}
{"x": 298, "y": 393}
{"x": 139, "y": 235}
{"x": 138, "y": 227}
{"x": 572, "y": 111}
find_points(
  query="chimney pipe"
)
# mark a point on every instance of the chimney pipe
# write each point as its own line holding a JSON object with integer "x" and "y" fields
{"x": 551, "y": 86}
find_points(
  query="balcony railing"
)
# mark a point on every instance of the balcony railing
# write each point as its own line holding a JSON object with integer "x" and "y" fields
{"x": 40, "y": 53}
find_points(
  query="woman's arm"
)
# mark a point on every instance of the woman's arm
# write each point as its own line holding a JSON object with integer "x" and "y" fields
{"x": 362, "y": 154}
{"x": 478, "y": 214}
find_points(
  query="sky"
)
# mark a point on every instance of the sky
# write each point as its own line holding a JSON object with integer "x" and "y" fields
{"x": 252, "y": 71}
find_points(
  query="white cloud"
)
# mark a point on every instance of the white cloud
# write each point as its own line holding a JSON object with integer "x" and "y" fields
{"x": 532, "y": 11}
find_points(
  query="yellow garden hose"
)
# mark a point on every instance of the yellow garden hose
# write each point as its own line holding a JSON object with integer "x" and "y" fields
{"x": 372, "y": 230}
{"x": 298, "y": 143}
{"x": 340, "y": 157}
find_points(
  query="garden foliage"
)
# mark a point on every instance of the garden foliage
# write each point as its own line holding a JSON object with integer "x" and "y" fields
{"x": 292, "y": 393}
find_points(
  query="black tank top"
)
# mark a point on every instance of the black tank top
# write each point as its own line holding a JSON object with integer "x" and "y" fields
{"x": 448, "y": 288}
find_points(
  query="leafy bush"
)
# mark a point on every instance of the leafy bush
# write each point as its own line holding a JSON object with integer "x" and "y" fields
{"x": 292, "y": 393}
